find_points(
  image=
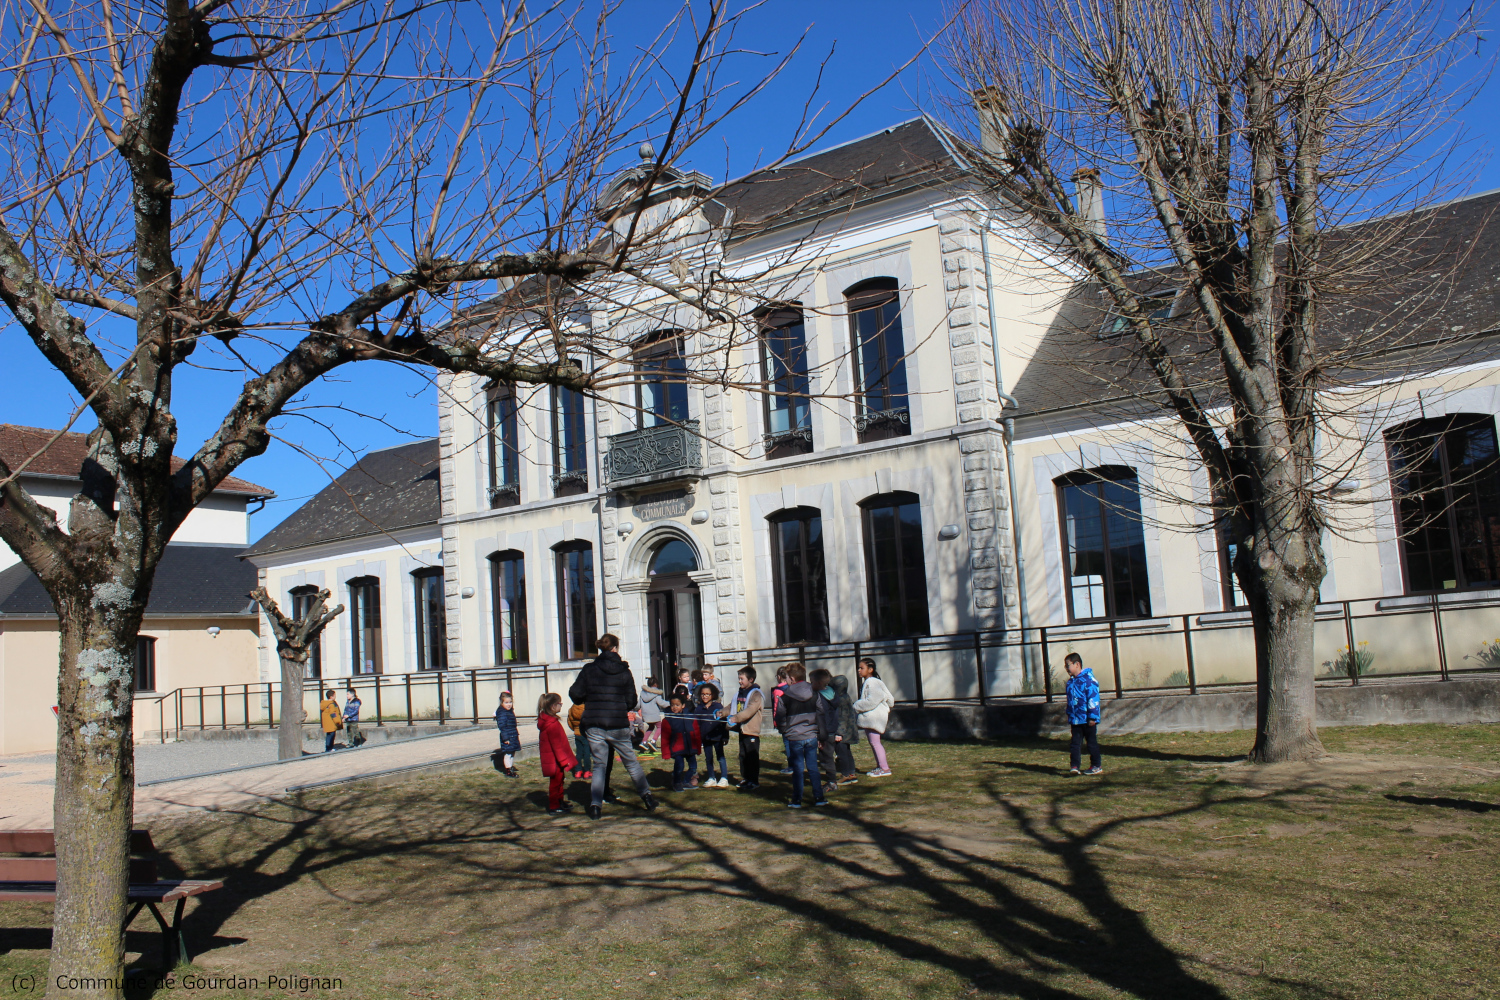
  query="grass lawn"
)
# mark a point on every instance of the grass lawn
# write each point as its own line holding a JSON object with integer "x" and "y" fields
{"x": 977, "y": 870}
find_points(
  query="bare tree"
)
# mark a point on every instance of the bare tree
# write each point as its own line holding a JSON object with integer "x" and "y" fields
{"x": 283, "y": 189}
{"x": 1231, "y": 140}
{"x": 294, "y": 639}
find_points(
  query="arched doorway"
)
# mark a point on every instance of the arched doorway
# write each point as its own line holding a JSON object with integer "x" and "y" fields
{"x": 674, "y": 613}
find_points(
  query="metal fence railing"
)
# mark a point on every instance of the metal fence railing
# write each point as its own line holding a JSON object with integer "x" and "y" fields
{"x": 440, "y": 696}
{"x": 1353, "y": 640}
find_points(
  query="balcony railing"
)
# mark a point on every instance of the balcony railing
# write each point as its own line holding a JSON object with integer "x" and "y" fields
{"x": 653, "y": 456}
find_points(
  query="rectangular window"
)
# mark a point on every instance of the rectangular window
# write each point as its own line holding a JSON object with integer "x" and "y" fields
{"x": 1234, "y": 597}
{"x": 570, "y": 460}
{"x": 432, "y": 620}
{"x": 504, "y": 455}
{"x": 575, "y": 601}
{"x": 1445, "y": 481}
{"x": 1104, "y": 545}
{"x": 661, "y": 385}
{"x": 879, "y": 360}
{"x": 364, "y": 625}
{"x": 508, "y": 590}
{"x": 144, "y": 674}
{"x": 788, "y": 408}
{"x": 302, "y": 601}
{"x": 895, "y": 567}
{"x": 797, "y": 576}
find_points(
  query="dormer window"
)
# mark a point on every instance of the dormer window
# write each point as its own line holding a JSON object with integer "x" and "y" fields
{"x": 1160, "y": 307}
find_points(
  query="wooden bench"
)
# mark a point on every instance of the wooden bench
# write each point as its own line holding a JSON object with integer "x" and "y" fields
{"x": 28, "y": 872}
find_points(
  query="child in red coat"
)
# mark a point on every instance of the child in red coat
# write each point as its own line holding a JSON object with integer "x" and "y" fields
{"x": 681, "y": 741}
{"x": 557, "y": 756}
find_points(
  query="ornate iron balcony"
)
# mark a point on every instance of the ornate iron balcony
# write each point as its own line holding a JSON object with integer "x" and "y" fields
{"x": 652, "y": 455}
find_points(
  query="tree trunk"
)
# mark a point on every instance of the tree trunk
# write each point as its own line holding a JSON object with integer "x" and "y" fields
{"x": 94, "y": 800}
{"x": 1284, "y": 582}
{"x": 289, "y": 745}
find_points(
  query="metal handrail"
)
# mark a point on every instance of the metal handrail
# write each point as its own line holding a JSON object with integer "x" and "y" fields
{"x": 268, "y": 694}
{"x": 1113, "y": 632}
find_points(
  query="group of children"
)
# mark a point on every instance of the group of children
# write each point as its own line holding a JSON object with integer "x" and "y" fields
{"x": 334, "y": 719}
{"x": 818, "y": 721}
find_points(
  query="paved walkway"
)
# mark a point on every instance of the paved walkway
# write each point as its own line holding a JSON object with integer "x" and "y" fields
{"x": 26, "y": 780}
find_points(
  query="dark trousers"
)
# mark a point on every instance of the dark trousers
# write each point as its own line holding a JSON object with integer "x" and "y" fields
{"x": 750, "y": 759}
{"x": 709, "y": 751}
{"x": 826, "y": 760}
{"x": 845, "y": 754}
{"x": 1086, "y": 733}
{"x": 581, "y": 751}
{"x": 684, "y": 766}
{"x": 804, "y": 768}
{"x": 328, "y": 741}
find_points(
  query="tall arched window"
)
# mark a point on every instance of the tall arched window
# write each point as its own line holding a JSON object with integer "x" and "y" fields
{"x": 895, "y": 567}
{"x": 508, "y": 604}
{"x": 570, "y": 460}
{"x": 575, "y": 600}
{"x": 1445, "y": 480}
{"x": 144, "y": 675}
{"x": 879, "y": 359}
{"x": 797, "y": 575}
{"x": 784, "y": 359}
{"x": 302, "y": 598}
{"x": 504, "y": 455}
{"x": 1104, "y": 546}
{"x": 661, "y": 395}
{"x": 364, "y": 625}
{"x": 432, "y": 619}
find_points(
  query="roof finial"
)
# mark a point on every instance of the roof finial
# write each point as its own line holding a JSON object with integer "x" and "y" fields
{"x": 648, "y": 152}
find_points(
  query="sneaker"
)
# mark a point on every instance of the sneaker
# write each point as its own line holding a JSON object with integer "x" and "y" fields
{"x": 1073, "y": 772}
{"x": 794, "y": 805}
{"x": 595, "y": 812}
{"x": 848, "y": 779}
{"x": 878, "y": 773}
{"x": 649, "y": 801}
{"x": 611, "y": 797}
{"x": 724, "y": 782}
{"x": 1094, "y": 770}
{"x": 821, "y": 802}
{"x": 559, "y": 812}
{"x": 749, "y": 786}
{"x": 785, "y": 770}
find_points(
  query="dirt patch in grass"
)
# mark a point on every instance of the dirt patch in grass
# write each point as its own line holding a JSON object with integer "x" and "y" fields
{"x": 977, "y": 870}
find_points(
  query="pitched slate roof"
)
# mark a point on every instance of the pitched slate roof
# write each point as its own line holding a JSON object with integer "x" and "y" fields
{"x": 64, "y": 457}
{"x": 1433, "y": 303}
{"x": 894, "y": 160}
{"x": 384, "y": 491}
{"x": 193, "y": 579}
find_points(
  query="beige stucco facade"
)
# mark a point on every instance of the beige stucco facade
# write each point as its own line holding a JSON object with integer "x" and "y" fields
{"x": 187, "y": 654}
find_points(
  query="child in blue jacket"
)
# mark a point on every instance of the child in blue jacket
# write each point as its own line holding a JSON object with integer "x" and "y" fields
{"x": 1083, "y": 714}
{"x": 510, "y": 734}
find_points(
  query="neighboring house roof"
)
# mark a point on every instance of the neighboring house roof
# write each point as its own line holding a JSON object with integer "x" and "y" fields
{"x": 900, "y": 158}
{"x": 385, "y": 491}
{"x": 1432, "y": 303}
{"x": 63, "y": 458}
{"x": 192, "y": 579}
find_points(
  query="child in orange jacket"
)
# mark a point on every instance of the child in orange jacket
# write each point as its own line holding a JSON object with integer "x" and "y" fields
{"x": 584, "y": 767}
{"x": 552, "y": 745}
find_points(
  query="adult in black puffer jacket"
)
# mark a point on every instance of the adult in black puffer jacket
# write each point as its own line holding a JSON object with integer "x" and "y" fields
{"x": 606, "y": 689}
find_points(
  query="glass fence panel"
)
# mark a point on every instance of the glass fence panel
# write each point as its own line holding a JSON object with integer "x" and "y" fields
{"x": 1471, "y": 637}
{"x": 1386, "y": 644}
{"x": 1224, "y": 655}
{"x": 1154, "y": 659}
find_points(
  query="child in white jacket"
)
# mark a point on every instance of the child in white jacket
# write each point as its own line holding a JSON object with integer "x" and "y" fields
{"x": 874, "y": 711}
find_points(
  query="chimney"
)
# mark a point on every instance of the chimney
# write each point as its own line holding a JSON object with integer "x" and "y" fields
{"x": 1089, "y": 199}
{"x": 990, "y": 108}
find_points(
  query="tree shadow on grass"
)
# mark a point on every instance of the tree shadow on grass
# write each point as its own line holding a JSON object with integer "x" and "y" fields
{"x": 1037, "y": 902}
{"x": 1467, "y": 805}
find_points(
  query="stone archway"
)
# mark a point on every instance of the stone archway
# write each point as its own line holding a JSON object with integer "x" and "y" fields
{"x": 662, "y": 612}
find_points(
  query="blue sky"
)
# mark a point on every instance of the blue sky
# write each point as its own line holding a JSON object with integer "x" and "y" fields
{"x": 862, "y": 41}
